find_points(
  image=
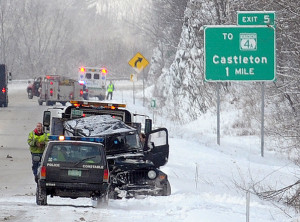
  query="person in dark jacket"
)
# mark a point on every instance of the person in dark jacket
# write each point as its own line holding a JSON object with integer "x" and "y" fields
{"x": 37, "y": 141}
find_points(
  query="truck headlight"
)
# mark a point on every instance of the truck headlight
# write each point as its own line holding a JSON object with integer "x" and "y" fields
{"x": 152, "y": 174}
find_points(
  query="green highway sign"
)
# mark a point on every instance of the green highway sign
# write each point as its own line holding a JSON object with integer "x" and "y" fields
{"x": 239, "y": 53}
{"x": 256, "y": 18}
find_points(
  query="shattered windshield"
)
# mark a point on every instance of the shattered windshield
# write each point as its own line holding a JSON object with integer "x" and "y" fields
{"x": 122, "y": 143}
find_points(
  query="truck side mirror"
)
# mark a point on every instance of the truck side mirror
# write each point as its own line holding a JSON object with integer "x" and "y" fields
{"x": 46, "y": 118}
{"x": 148, "y": 125}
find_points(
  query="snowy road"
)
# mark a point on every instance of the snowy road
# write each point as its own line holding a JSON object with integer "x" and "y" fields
{"x": 201, "y": 176}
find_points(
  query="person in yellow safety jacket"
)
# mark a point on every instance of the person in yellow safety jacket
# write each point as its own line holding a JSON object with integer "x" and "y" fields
{"x": 110, "y": 89}
{"x": 37, "y": 141}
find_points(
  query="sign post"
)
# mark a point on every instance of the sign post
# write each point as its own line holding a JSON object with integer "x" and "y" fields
{"x": 153, "y": 106}
{"x": 241, "y": 53}
{"x": 139, "y": 63}
{"x": 133, "y": 90}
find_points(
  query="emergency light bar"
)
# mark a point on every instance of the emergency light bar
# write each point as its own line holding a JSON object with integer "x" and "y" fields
{"x": 74, "y": 138}
{"x": 85, "y": 103}
{"x": 93, "y": 69}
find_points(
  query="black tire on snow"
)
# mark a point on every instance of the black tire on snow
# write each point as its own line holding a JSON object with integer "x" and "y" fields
{"x": 49, "y": 103}
{"x": 101, "y": 97}
{"x": 41, "y": 195}
{"x": 100, "y": 202}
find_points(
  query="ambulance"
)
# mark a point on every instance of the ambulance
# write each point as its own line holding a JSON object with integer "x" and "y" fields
{"x": 95, "y": 80}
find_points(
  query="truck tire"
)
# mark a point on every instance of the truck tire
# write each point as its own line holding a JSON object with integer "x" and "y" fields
{"x": 30, "y": 95}
{"x": 40, "y": 103}
{"x": 49, "y": 103}
{"x": 101, "y": 97}
{"x": 41, "y": 195}
{"x": 100, "y": 202}
{"x": 167, "y": 189}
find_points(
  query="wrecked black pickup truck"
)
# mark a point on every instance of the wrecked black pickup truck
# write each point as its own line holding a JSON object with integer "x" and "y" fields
{"x": 133, "y": 164}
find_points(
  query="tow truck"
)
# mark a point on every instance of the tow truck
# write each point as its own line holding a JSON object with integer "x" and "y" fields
{"x": 55, "y": 88}
{"x": 134, "y": 166}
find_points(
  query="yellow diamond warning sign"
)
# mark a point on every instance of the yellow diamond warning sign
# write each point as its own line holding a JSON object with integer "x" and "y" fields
{"x": 138, "y": 62}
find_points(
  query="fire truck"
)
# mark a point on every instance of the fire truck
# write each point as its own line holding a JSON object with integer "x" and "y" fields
{"x": 95, "y": 80}
{"x": 55, "y": 88}
{"x": 3, "y": 86}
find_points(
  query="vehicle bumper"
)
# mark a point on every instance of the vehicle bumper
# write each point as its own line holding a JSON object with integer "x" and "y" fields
{"x": 74, "y": 190}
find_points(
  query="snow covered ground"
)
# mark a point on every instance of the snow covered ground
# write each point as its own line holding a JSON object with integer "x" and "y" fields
{"x": 205, "y": 177}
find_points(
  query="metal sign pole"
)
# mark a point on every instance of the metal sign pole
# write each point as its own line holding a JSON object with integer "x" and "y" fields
{"x": 218, "y": 113}
{"x": 143, "y": 88}
{"x": 247, "y": 205}
{"x": 133, "y": 92}
{"x": 262, "y": 117}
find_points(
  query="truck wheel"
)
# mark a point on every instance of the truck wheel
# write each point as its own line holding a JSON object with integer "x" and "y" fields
{"x": 30, "y": 95}
{"x": 100, "y": 202}
{"x": 41, "y": 195}
{"x": 167, "y": 189}
{"x": 49, "y": 103}
{"x": 40, "y": 103}
{"x": 101, "y": 97}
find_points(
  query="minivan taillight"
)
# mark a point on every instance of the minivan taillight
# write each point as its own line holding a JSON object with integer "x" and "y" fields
{"x": 43, "y": 172}
{"x": 105, "y": 175}
{"x": 3, "y": 90}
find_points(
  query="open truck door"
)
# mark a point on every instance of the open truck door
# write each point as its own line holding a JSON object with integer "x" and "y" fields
{"x": 157, "y": 147}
